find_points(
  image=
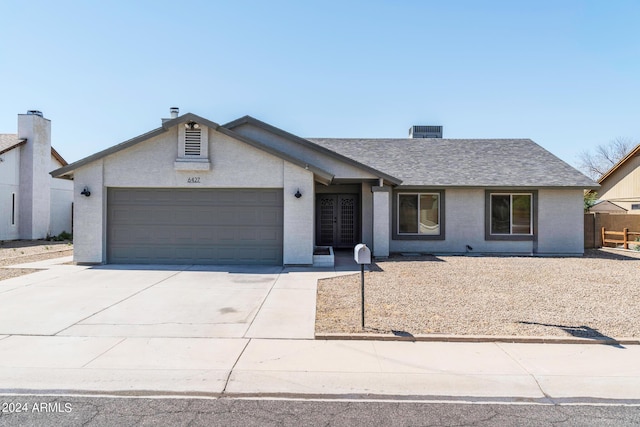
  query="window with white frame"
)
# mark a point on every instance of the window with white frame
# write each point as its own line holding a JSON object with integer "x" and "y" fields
{"x": 511, "y": 214}
{"x": 418, "y": 214}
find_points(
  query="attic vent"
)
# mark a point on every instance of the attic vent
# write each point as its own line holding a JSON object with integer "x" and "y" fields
{"x": 192, "y": 142}
{"x": 193, "y": 148}
{"x": 425, "y": 132}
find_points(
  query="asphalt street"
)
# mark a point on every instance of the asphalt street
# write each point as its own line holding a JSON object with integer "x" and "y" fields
{"x": 127, "y": 411}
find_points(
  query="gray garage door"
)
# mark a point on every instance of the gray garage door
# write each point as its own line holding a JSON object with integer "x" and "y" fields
{"x": 194, "y": 226}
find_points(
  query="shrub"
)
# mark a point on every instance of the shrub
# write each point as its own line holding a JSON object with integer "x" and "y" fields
{"x": 64, "y": 236}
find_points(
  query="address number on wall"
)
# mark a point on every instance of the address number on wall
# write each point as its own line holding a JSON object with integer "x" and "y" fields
{"x": 193, "y": 180}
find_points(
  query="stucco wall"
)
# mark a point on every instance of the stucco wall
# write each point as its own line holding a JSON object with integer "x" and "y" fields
{"x": 9, "y": 185}
{"x": 298, "y": 215}
{"x": 560, "y": 222}
{"x": 35, "y": 159}
{"x": 381, "y": 221}
{"x": 367, "y": 214}
{"x": 61, "y": 206}
{"x": 234, "y": 164}
{"x": 89, "y": 241}
{"x": 560, "y": 226}
{"x": 61, "y": 202}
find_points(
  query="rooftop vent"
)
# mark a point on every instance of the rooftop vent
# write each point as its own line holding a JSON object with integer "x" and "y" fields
{"x": 174, "y": 111}
{"x": 35, "y": 113}
{"x": 425, "y": 132}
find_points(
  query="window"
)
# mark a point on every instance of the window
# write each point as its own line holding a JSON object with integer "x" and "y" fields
{"x": 635, "y": 206}
{"x": 418, "y": 214}
{"x": 13, "y": 208}
{"x": 511, "y": 214}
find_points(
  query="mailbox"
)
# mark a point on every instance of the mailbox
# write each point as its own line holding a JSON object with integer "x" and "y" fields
{"x": 362, "y": 254}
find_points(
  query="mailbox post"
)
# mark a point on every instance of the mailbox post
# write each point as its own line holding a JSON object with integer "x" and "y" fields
{"x": 362, "y": 255}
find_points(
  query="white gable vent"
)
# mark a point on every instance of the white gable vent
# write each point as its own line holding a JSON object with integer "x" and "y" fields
{"x": 193, "y": 148}
{"x": 192, "y": 140}
{"x": 425, "y": 132}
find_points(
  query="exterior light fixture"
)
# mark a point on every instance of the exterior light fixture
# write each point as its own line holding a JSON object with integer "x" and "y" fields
{"x": 298, "y": 194}
{"x": 192, "y": 125}
{"x": 86, "y": 192}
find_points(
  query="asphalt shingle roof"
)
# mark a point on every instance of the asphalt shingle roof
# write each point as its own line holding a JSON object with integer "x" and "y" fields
{"x": 8, "y": 140}
{"x": 461, "y": 162}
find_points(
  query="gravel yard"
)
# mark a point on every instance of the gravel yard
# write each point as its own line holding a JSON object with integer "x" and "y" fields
{"x": 23, "y": 251}
{"x": 593, "y": 296}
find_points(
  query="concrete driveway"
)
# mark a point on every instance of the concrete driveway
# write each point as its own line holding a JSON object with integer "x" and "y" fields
{"x": 249, "y": 331}
{"x": 161, "y": 301}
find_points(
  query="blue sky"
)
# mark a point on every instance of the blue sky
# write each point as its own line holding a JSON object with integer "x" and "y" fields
{"x": 563, "y": 73}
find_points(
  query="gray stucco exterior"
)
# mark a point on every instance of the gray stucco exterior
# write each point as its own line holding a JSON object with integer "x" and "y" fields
{"x": 248, "y": 153}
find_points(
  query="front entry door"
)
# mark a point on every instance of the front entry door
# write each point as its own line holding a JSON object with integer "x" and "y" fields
{"x": 337, "y": 220}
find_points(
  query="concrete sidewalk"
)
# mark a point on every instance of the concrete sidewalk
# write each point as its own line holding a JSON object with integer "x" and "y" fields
{"x": 242, "y": 367}
{"x": 87, "y": 340}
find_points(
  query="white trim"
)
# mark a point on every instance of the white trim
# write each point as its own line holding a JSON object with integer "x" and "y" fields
{"x": 193, "y": 149}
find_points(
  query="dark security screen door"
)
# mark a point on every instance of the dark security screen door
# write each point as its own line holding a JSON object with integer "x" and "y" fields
{"x": 337, "y": 220}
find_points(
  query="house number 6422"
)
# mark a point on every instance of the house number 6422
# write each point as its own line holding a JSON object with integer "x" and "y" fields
{"x": 193, "y": 180}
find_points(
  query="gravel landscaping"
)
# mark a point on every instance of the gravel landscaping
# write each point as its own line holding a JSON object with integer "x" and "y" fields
{"x": 597, "y": 295}
{"x": 23, "y": 251}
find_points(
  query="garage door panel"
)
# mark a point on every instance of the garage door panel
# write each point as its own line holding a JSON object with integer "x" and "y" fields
{"x": 195, "y": 226}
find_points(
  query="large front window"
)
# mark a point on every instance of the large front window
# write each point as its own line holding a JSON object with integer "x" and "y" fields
{"x": 511, "y": 214}
{"x": 419, "y": 214}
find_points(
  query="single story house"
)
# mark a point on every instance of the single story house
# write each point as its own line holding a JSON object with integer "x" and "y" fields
{"x": 196, "y": 192}
{"x": 621, "y": 184}
{"x": 33, "y": 205}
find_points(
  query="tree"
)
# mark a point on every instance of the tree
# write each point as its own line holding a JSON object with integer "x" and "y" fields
{"x": 590, "y": 198}
{"x": 596, "y": 164}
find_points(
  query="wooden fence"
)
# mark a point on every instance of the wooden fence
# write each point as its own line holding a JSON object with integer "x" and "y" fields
{"x": 594, "y": 222}
{"x": 627, "y": 236}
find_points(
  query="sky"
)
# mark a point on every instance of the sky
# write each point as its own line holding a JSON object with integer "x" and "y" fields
{"x": 563, "y": 73}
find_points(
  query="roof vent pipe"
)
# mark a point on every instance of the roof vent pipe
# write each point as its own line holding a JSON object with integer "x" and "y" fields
{"x": 35, "y": 113}
{"x": 174, "y": 111}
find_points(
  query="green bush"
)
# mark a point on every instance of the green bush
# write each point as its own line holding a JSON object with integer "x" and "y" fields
{"x": 61, "y": 237}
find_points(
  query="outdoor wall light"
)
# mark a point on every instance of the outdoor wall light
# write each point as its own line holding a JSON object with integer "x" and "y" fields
{"x": 86, "y": 192}
{"x": 298, "y": 194}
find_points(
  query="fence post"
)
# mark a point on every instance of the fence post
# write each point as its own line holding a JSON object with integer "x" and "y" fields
{"x": 625, "y": 238}
{"x": 603, "y": 238}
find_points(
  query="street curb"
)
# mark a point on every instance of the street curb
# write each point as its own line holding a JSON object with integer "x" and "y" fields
{"x": 477, "y": 339}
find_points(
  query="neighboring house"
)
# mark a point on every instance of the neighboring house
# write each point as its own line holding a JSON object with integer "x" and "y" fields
{"x": 33, "y": 205}
{"x": 195, "y": 192}
{"x": 606, "y": 206}
{"x": 621, "y": 184}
